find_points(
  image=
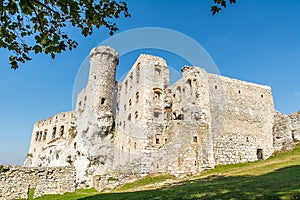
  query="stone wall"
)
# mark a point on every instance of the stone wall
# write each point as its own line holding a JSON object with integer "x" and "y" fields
{"x": 111, "y": 181}
{"x": 243, "y": 115}
{"x": 286, "y": 130}
{"x": 51, "y": 132}
{"x": 16, "y": 181}
{"x": 295, "y": 122}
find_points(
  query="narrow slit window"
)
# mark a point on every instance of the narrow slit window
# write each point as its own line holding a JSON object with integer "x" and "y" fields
{"x": 195, "y": 139}
{"x": 156, "y": 140}
{"x": 62, "y": 129}
{"x": 53, "y": 132}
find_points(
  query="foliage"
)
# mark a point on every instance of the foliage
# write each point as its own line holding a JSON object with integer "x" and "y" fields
{"x": 1, "y": 168}
{"x": 219, "y": 4}
{"x": 275, "y": 178}
{"x": 39, "y": 26}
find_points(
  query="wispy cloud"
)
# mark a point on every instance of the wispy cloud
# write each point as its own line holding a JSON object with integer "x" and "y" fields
{"x": 297, "y": 93}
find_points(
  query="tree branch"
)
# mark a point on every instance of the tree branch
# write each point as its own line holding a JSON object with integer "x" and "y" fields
{"x": 44, "y": 5}
{"x": 38, "y": 17}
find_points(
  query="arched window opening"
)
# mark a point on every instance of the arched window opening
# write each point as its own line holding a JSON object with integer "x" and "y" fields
{"x": 189, "y": 87}
{"x": 126, "y": 86}
{"x": 129, "y": 102}
{"x": 137, "y": 96}
{"x": 138, "y": 73}
{"x": 103, "y": 101}
{"x": 40, "y": 135}
{"x": 36, "y": 136}
{"x": 62, "y": 129}
{"x": 54, "y": 132}
{"x": 136, "y": 115}
{"x": 129, "y": 117}
{"x": 157, "y": 69}
{"x": 157, "y": 93}
{"x": 157, "y": 112}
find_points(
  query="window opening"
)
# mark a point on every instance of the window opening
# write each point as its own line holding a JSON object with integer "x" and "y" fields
{"x": 195, "y": 139}
{"x": 53, "y": 132}
{"x": 156, "y": 140}
{"x": 259, "y": 153}
{"x": 62, "y": 130}
{"x": 129, "y": 117}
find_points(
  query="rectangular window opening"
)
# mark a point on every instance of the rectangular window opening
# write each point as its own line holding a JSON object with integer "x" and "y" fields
{"x": 259, "y": 153}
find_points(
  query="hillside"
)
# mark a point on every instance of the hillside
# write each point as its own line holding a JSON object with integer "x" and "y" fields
{"x": 275, "y": 178}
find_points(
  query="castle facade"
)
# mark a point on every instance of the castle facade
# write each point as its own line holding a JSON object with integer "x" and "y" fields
{"x": 145, "y": 125}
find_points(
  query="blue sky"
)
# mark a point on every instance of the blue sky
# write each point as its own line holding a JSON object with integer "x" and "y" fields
{"x": 256, "y": 41}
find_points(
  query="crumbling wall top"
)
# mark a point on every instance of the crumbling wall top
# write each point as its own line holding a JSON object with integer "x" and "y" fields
{"x": 147, "y": 59}
{"x": 106, "y": 50}
{"x": 59, "y": 116}
{"x": 239, "y": 82}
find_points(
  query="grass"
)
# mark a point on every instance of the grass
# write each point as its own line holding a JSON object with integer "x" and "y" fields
{"x": 275, "y": 178}
{"x": 31, "y": 193}
{"x": 148, "y": 180}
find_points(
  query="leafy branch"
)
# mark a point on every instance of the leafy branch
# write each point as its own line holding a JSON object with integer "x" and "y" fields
{"x": 32, "y": 26}
{"x": 219, "y": 4}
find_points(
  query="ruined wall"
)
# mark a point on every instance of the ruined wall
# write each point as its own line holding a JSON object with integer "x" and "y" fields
{"x": 295, "y": 123}
{"x": 52, "y": 132}
{"x": 282, "y": 132}
{"x": 243, "y": 115}
{"x": 190, "y": 126}
{"x": 141, "y": 112}
{"x": 286, "y": 130}
{"x": 16, "y": 181}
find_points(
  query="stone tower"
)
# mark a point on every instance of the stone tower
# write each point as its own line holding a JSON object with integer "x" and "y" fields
{"x": 94, "y": 115}
{"x": 102, "y": 76}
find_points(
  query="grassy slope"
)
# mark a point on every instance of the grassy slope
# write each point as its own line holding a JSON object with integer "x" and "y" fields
{"x": 275, "y": 178}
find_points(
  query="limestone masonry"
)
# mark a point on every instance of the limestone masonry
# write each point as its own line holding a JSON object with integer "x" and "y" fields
{"x": 15, "y": 182}
{"x": 143, "y": 125}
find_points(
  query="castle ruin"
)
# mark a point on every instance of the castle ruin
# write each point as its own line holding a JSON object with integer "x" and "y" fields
{"x": 145, "y": 125}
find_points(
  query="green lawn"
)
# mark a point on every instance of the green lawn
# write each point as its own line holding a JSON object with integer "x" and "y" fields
{"x": 275, "y": 178}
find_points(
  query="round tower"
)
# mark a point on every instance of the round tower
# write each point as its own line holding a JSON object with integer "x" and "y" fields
{"x": 103, "y": 64}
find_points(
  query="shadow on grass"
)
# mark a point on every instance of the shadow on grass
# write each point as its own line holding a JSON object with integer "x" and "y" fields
{"x": 280, "y": 184}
